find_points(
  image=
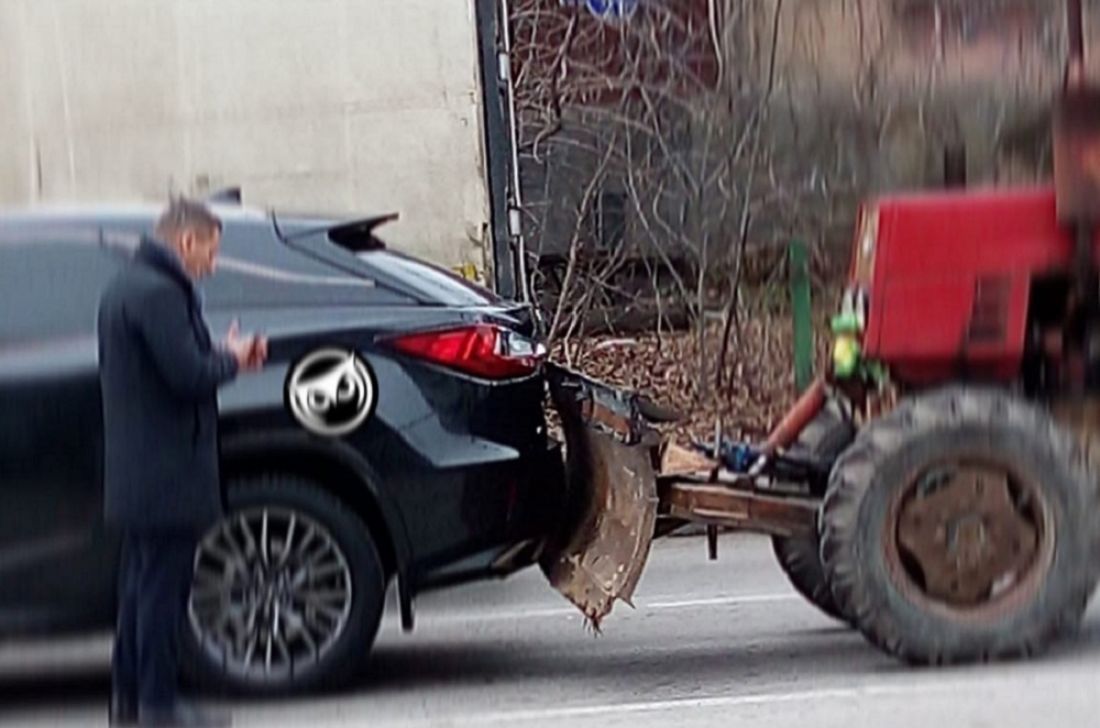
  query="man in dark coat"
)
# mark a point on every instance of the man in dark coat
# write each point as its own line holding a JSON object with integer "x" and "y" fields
{"x": 159, "y": 375}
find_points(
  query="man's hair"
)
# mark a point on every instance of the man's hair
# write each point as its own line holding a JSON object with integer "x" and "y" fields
{"x": 183, "y": 215}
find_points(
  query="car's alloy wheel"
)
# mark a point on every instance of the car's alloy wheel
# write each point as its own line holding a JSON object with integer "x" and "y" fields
{"x": 287, "y": 591}
{"x": 272, "y": 592}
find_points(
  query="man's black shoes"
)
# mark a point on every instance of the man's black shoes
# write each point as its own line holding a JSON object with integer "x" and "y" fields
{"x": 122, "y": 712}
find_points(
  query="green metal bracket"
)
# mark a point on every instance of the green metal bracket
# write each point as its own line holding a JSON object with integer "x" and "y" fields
{"x": 802, "y": 312}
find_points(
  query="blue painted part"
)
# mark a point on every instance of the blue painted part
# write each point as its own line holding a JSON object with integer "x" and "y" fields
{"x": 607, "y": 9}
{"x": 736, "y": 457}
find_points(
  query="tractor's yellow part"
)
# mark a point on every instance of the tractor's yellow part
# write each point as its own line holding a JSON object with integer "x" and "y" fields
{"x": 611, "y": 509}
{"x": 846, "y": 356}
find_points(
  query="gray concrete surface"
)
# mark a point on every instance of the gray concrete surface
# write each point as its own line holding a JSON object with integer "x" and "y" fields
{"x": 341, "y": 107}
{"x": 710, "y": 643}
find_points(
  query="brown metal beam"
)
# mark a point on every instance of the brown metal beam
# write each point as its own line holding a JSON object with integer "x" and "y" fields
{"x": 741, "y": 509}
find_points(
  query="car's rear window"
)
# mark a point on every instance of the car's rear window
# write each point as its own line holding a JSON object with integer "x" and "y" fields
{"x": 435, "y": 283}
{"x": 428, "y": 283}
{"x": 256, "y": 269}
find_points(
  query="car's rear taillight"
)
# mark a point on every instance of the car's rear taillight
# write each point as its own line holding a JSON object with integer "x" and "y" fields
{"x": 483, "y": 350}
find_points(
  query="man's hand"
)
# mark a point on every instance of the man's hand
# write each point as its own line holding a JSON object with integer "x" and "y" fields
{"x": 258, "y": 353}
{"x": 250, "y": 351}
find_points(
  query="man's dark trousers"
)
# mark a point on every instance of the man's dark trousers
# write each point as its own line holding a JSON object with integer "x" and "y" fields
{"x": 153, "y": 587}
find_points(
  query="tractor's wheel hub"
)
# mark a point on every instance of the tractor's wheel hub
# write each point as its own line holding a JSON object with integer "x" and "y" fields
{"x": 965, "y": 534}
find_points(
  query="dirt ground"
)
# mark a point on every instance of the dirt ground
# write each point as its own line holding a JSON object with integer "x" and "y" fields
{"x": 757, "y": 374}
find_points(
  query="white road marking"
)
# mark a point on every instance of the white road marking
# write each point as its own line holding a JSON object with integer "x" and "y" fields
{"x": 656, "y": 606}
{"x": 720, "y": 601}
{"x": 15, "y": 654}
{"x": 685, "y": 704}
{"x": 902, "y": 688}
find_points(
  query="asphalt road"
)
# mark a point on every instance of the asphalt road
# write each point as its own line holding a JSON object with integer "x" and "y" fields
{"x": 710, "y": 643}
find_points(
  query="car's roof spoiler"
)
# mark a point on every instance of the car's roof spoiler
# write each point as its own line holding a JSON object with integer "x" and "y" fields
{"x": 225, "y": 196}
{"x": 355, "y": 236}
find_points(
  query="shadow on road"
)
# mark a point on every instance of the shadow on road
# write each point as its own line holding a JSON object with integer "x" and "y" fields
{"x": 455, "y": 663}
{"x": 79, "y": 689}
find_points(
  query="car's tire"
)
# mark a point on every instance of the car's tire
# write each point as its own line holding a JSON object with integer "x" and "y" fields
{"x": 940, "y": 525}
{"x": 330, "y": 589}
{"x": 824, "y": 438}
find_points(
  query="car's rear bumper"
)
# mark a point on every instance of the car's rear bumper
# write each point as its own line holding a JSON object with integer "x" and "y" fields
{"x": 533, "y": 489}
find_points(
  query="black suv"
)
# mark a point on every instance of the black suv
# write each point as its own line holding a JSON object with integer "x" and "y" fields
{"x": 450, "y": 477}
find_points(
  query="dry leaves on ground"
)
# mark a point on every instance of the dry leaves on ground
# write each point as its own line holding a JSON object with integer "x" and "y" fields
{"x": 758, "y": 382}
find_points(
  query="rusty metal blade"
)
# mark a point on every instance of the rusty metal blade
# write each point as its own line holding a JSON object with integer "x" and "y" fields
{"x": 611, "y": 509}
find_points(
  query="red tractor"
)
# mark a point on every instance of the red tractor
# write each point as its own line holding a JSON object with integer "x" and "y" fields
{"x": 961, "y": 516}
{"x": 935, "y": 490}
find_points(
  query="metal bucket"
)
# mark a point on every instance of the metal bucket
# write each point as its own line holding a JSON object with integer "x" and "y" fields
{"x": 601, "y": 549}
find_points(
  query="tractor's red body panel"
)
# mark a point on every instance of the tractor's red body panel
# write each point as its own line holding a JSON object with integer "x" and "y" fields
{"x": 952, "y": 274}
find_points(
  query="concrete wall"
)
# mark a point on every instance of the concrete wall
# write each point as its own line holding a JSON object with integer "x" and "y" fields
{"x": 334, "y": 106}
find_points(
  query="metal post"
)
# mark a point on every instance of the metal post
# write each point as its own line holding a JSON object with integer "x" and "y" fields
{"x": 1074, "y": 83}
{"x": 1075, "y": 31}
{"x": 497, "y": 147}
{"x": 802, "y": 314}
{"x": 954, "y": 166}
{"x": 515, "y": 225}
{"x": 712, "y": 542}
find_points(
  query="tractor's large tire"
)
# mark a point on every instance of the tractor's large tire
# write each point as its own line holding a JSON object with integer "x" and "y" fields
{"x": 961, "y": 527}
{"x": 824, "y": 438}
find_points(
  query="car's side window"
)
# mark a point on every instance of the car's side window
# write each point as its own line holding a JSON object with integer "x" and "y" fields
{"x": 50, "y": 284}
